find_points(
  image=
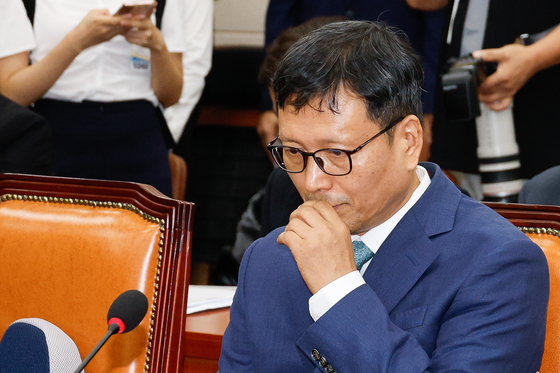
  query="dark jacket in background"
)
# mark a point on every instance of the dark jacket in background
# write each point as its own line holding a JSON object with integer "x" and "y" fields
{"x": 25, "y": 140}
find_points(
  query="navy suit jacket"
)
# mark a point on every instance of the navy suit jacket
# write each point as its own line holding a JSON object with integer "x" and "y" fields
{"x": 454, "y": 288}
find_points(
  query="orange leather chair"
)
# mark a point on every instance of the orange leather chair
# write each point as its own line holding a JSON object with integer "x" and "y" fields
{"x": 69, "y": 247}
{"x": 542, "y": 225}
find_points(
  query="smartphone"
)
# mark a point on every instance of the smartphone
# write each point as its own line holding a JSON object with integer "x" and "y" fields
{"x": 137, "y": 7}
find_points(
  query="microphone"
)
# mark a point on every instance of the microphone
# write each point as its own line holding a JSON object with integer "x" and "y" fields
{"x": 126, "y": 312}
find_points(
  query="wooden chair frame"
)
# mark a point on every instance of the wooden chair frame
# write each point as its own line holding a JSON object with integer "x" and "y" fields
{"x": 168, "y": 314}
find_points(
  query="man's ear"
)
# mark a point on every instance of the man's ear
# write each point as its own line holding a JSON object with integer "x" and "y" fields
{"x": 412, "y": 133}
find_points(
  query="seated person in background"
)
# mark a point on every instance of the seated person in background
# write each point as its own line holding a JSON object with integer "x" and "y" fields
{"x": 268, "y": 123}
{"x": 452, "y": 287}
{"x": 279, "y": 194}
{"x": 280, "y": 199}
{"x": 25, "y": 140}
{"x": 543, "y": 189}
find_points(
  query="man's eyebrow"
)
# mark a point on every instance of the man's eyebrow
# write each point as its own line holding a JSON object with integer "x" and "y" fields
{"x": 283, "y": 141}
{"x": 330, "y": 143}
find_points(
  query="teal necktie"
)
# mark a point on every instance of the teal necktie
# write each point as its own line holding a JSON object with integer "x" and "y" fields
{"x": 361, "y": 253}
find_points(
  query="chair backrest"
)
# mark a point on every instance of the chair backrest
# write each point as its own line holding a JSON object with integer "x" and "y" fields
{"x": 542, "y": 224}
{"x": 69, "y": 247}
{"x": 178, "y": 176}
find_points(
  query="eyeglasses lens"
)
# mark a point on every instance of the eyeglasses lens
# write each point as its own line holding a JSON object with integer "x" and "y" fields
{"x": 331, "y": 161}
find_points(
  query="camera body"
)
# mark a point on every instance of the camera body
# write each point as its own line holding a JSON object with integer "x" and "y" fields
{"x": 460, "y": 86}
{"x": 497, "y": 151}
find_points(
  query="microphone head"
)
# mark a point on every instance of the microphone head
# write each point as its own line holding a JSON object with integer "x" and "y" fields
{"x": 128, "y": 310}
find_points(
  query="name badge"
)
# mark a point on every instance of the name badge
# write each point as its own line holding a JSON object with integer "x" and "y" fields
{"x": 139, "y": 57}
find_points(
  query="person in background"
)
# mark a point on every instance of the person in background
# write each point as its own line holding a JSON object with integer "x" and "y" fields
{"x": 386, "y": 266}
{"x": 265, "y": 209}
{"x": 197, "y": 61}
{"x": 16, "y": 40}
{"x": 100, "y": 75}
{"x": 543, "y": 189}
{"x": 529, "y": 73}
{"x": 25, "y": 139}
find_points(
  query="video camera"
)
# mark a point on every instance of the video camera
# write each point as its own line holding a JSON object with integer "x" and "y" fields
{"x": 498, "y": 152}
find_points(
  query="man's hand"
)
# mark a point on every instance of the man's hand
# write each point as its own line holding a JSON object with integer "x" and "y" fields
{"x": 267, "y": 128}
{"x": 427, "y": 125}
{"x": 320, "y": 243}
{"x": 98, "y": 26}
{"x": 141, "y": 31}
{"x": 515, "y": 68}
{"x": 427, "y": 5}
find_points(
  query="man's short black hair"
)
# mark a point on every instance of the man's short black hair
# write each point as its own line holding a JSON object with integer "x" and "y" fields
{"x": 278, "y": 48}
{"x": 369, "y": 59}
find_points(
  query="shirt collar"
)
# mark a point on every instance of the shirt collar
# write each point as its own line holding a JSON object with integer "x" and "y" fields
{"x": 375, "y": 236}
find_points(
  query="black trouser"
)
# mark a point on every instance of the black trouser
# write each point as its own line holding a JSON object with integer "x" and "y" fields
{"x": 111, "y": 141}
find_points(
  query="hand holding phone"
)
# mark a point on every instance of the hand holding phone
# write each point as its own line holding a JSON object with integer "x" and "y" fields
{"x": 136, "y": 8}
{"x": 134, "y": 16}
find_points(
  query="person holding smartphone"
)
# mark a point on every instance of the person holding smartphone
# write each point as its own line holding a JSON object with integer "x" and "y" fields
{"x": 98, "y": 76}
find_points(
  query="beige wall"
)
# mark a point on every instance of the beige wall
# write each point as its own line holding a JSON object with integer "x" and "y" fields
{"x": 239, "y": 22}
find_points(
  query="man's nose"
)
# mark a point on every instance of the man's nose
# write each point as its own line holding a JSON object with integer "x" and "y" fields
{"x": 315, "y": 178}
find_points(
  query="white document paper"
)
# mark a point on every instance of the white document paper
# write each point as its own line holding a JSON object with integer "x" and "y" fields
{"x": 208, "y": 297}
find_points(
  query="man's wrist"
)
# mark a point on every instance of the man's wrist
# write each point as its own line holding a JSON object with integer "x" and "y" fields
{"x": 323, "y": 300}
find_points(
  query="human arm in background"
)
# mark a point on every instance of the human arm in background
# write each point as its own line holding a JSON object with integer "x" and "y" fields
{"x": 166, "y": 67}
{"x": 427, "y": 124}
{"x": 516, "y": 65}
{"x": 25, "y": 84}
{"x": 197, "y": 60}
{"x": 427, "y": 4}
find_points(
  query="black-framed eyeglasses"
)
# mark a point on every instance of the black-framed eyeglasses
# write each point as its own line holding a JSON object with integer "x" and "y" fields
{"x": 334, "y": 162}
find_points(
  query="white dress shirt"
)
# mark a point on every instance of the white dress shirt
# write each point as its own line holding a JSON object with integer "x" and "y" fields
{"x": 16, "y": 33}
{"x": 104, "y": 72}
{"x": 329, "y": 295}
{"x": 197, "y": 60}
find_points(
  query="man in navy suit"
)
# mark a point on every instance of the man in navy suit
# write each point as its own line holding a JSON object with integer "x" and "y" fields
{"x": 386, "y": 266}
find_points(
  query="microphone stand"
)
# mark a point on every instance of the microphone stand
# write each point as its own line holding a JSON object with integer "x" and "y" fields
{"x": 113, "y": 329}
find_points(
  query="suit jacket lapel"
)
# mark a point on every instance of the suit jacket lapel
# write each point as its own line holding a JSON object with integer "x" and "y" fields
{"x": 408, "y": 251}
